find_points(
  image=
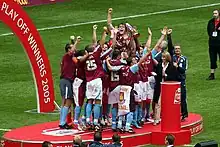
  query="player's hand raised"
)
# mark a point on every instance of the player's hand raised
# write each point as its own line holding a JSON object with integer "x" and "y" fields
{"x": 105, "y": 29}
{"x": 72, "y": 37}
{"x": 149, "y": 31}
{"x": 110, "y": 11}
{"x": 169, "y": 31}
{"x": 78, "y": 39}
{"x": 95, "y": 27}
{"x": 86, "y": 53}
{"x": 164, "y": 31}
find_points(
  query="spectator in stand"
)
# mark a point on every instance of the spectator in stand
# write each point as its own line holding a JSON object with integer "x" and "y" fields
{"x": 47, "y": 144}
{"x": 213, "y": 30}
{"x": 169, "y": 140}
{"x": 77, "y": 142}
{"x": 97, "y": 140}
{"x": 116, "y": 139}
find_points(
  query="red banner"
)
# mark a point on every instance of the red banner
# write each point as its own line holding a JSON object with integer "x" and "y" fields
{"x": 37, "y": 2}
{"x": 16, "y": 18}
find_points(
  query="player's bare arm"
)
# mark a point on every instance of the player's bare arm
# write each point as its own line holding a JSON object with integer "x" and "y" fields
{"x": 143, "y": 59}
{"x": 163, "y": 35}
{"x": 109, "y": 19}
{"x": 110, "y": 67}
{"x": 78, "y": 39}
{"x": 104, "y": 35}
{"x": 94, "y": 36}
{"x": 149, "y": 40}
{"x": 113, "y": 37}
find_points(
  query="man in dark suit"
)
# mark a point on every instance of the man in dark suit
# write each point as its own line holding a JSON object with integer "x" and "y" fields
{"x": 169, "y": 140}
{"x": 213, "y": 29}
{"x": 181, "y": 64}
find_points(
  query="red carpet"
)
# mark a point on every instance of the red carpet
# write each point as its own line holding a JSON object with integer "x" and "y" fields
{"x": 34, "y": 135}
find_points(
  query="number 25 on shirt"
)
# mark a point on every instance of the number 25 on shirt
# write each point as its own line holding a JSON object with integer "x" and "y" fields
{"x": 91, "y": 65}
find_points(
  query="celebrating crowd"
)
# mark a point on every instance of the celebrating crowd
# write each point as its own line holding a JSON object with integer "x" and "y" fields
{"x": 120, "y": 77}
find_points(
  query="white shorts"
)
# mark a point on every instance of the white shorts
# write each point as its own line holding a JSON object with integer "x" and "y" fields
{"x": 151, "y": 84}
{"x": 76, "y": 84}
{"x": 94, "y": 89}
{"x": 137, "y": 96}
{"x": 143, "y": 90}
{"x": 113, "y": 97}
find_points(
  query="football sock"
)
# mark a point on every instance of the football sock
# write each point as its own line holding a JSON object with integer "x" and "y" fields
{"x": 88, "y": 112}
{"x": 77, "y": 114}
{"x": 120, "y": 119}
{"x": 129, "y": 119}
{"x": 61, "y": 114}
{"x": 64, "y": 115}
{"x": 136, "y": 113}
{"x": 114, "y": 115}
{"x": 97, "y": 110}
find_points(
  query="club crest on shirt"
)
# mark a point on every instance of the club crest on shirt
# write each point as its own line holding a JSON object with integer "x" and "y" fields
{"x": 121, "y": 97}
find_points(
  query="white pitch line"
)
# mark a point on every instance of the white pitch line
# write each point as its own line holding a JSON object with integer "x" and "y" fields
{"x": 5, "y": 130}
{"x": 188, "y": 145}
{"x": 120, "y": 18}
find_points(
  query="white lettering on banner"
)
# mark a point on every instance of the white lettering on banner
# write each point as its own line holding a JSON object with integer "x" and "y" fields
{"x": 16, "y": 18}
{"x": 13, "y": 14}
{"x": 4, "y": 5}
{"x": 41, "y": 66}
{"x": 23, "y": 26}
{"x": 196, "y": 129}
{"x": 20, "y": 22}
{"x": 46, "y": 92}
{"x": 10, "y": 13}
{"x": 39, "y": 59}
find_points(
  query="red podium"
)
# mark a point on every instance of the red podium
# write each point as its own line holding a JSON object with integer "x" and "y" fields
{"x": 170, "y": 115}
{"x": 170, "y": 106}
